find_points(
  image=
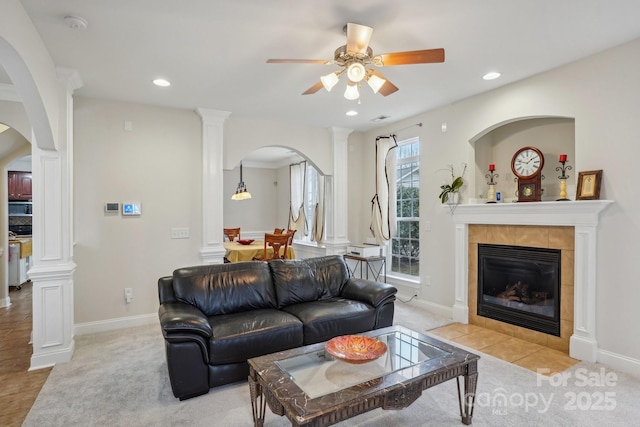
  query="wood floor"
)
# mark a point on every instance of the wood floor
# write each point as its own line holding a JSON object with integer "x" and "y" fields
{"x": 18, "y": 387}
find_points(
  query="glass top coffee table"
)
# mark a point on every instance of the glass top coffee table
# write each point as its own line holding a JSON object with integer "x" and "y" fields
{"x": 312, "y": 388}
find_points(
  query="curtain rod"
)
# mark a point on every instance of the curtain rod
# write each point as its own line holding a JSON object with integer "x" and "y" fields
{"x": 399, "y": 130}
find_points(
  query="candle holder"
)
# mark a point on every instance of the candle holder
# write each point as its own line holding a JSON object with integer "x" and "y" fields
{"x": 563, "y": 180}
{"x": 491, "y": 194}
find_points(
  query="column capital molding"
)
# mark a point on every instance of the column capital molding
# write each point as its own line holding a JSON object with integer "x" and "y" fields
{"x": 70, "y": 78}
{"x": 209, "y": 115}
{"x": 340, "y": 134}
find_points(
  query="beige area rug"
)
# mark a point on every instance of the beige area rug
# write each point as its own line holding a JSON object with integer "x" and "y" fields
{"x": 120, "y": 379}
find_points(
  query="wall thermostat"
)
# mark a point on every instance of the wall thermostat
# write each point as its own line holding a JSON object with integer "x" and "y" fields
{"x": 112, "y": 207}
{"x": 131, "y": 209}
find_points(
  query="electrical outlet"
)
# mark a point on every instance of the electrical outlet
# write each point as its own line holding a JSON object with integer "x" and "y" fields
{"x": 128, "y": 295}
{"x": 180, "y": 233}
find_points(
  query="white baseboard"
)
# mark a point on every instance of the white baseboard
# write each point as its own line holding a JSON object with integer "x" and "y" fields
{"x": 619, "y": 362}
{"x": 115, "y": 324}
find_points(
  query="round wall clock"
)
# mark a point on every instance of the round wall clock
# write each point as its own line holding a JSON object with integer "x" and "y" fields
{"x": 527, "y": 164}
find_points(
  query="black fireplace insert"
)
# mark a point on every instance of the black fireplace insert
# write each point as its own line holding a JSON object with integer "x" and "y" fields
{"x": 520, "y": 285}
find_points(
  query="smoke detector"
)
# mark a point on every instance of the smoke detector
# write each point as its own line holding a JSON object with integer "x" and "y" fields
{"x": 76, "y": 22}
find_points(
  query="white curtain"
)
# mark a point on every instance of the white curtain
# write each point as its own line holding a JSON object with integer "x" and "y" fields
{"x": 317, "y": 232}
{"x": 382, "y": 214}
{"x": 297, "y": 217}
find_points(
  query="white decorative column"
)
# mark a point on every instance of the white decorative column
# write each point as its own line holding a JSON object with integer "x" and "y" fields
{"x": 212, "y": 251}
{"x": 461, "y": 266}
{"x": 53, "y": 267}
{"x": 583, "y": 344}
{"x": 336, "y": 188}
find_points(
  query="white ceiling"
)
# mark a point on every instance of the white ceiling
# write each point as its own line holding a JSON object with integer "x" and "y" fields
{"x": 214, "y": 51}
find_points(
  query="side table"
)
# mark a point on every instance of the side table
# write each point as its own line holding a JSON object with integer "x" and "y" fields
{"x": 369, "y": 265}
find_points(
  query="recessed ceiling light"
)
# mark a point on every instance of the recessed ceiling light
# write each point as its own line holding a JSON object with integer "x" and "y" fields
{"x": 492, "y": 75}
{"x": 162, "y": 82}
{"x": 352, "y": 113}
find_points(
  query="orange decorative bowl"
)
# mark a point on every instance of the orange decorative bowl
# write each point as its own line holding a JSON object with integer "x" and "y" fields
{"x": 245, "y": 241}
{"x": 355, "y": 348}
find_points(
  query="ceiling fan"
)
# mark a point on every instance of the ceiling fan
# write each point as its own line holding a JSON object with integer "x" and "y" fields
{"x": 356, "y": 58}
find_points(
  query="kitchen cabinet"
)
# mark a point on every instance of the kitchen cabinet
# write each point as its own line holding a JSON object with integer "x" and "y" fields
{"x": 19, "y": 185}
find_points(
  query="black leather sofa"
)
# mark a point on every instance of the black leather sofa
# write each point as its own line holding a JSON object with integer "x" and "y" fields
{"x": 216, "y": 317}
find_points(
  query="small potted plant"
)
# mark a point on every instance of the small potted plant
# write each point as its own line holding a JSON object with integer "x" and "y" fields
{"x": 449, "y": 193}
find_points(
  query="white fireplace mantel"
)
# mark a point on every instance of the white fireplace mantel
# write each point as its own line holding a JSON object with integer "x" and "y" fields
{"x": 583, "y": 215}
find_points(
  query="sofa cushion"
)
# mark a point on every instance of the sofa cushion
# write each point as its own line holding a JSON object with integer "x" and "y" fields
{"x": 331, "y": 273}
{"x": 241, "y": 336}
{"x": 328, "y": 318}
{"x": 305, "y": 280}
{"x": 294, "y": 282}
{"x": 225, "y": 288}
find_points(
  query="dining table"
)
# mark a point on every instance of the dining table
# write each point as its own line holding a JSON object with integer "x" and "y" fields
{"x": 237, "y": 252}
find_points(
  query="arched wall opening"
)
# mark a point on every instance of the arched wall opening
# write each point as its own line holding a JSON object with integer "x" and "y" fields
{"x": 45, "y": 95}
{"x": 266, "y": 175}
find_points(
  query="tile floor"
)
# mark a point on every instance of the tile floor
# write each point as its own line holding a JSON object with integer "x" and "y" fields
{"x": 19, "y": 387}
{"x": 523, "y": 353}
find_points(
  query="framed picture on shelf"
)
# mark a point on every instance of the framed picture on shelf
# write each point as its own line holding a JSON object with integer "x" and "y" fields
{"x": 589, "y": 185}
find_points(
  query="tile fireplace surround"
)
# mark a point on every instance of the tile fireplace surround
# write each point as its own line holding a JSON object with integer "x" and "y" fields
{"x": 582, "y": 215}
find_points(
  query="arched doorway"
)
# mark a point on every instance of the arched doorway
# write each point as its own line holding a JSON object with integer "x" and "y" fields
{"x": 45, "y": 99}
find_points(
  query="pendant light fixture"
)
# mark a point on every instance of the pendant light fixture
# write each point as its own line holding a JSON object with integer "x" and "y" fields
{"x": 241, "y": 192}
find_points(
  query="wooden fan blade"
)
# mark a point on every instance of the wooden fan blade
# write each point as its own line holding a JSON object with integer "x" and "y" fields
{"x": 313, "y": 89}
{"x": 358, "y": 37}
{"x": 298, "y": 61}
{"x": 387, "y": 88}
{"x": 413, "y": 57}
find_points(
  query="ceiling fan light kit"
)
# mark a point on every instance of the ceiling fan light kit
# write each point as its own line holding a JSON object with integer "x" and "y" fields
{"x": 330, "y": 80}
{"x": 375, "y": 82}
{"x": 355, "y": 56}
{"x": 351, "y": 93}
{"x": 356, "y": 72}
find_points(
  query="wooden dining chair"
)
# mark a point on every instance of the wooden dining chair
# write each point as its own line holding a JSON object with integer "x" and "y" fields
{"x": 278, "y": 230}
{"x": 232, "y": 233}
{"x": 279, "y": 243}
{"x": 291, "y": 233}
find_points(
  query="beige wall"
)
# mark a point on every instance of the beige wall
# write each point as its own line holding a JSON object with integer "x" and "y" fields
{"x": 156, "y": 164}
{"x": 600, "y": 93}
{"x": 153, "y": 164}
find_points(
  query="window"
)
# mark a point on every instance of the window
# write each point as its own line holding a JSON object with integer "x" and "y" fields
{"x": 405, "y": 245}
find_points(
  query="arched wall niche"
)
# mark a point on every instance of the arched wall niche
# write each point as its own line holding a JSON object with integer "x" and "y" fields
{"x": 497, "y": 144}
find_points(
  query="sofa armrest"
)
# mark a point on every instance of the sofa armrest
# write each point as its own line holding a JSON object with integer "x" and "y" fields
{"x": 181, "y": 318}
{"x": 373, "y": 293}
